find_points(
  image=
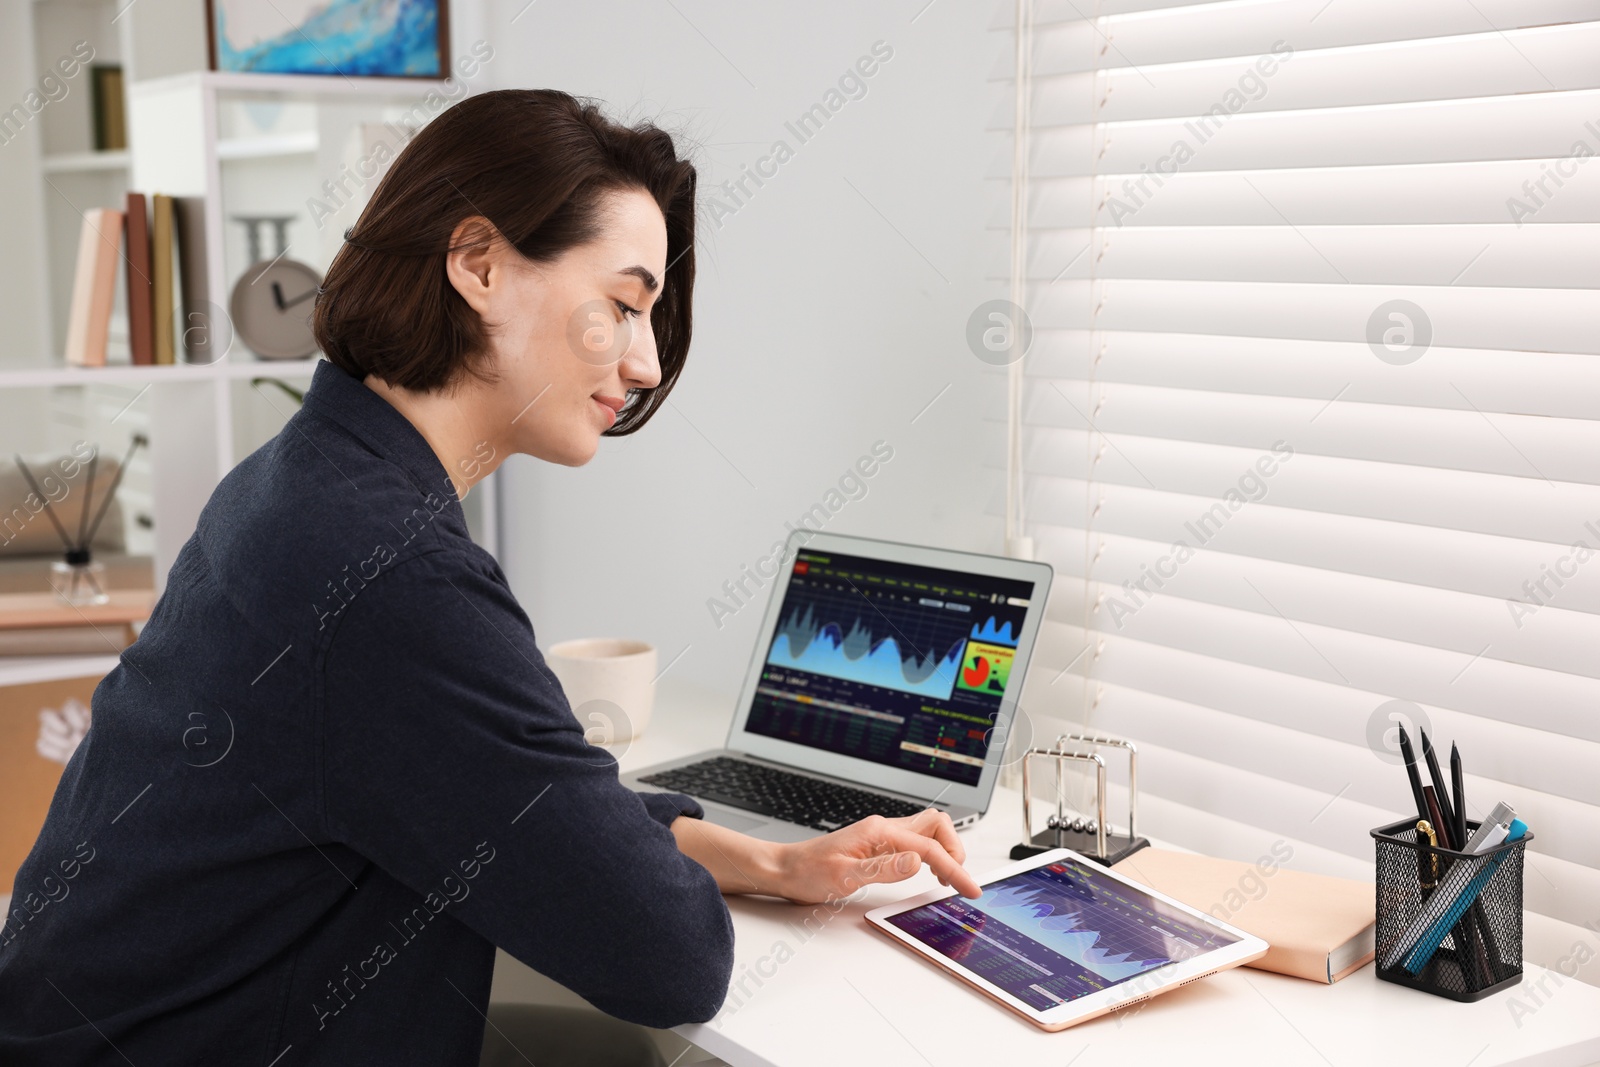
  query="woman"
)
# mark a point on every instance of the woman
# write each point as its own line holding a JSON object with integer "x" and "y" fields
{"x": 334, "y": 772}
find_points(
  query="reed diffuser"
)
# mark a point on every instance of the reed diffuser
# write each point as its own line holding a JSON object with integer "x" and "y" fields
{"x": 78, "y": 578}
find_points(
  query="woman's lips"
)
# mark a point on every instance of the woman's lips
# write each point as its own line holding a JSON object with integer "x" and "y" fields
{"x": 610, "y": 412}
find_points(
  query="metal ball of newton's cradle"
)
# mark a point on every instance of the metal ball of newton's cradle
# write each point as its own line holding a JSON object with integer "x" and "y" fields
{"x": 1095, "y": 838}
{"x": 1077, "y": 824}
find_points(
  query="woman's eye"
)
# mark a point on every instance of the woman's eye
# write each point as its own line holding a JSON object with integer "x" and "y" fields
{"x": 626, "y": 310}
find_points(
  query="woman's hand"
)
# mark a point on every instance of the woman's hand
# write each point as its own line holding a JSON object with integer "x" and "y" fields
{"x": 831, "y": 867}
{"x": 874, "y": 849}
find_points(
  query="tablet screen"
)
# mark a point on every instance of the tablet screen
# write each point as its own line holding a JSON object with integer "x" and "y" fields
{"x": 1059, "y": 932}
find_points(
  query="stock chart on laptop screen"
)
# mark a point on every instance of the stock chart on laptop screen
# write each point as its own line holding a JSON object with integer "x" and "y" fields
{"x": 891, "y": 662}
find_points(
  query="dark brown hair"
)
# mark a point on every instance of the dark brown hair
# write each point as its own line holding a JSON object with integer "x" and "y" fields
{"x": 537, "y": 164}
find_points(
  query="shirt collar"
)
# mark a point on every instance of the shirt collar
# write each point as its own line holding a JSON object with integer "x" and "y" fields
{"x": 346, "y": 400}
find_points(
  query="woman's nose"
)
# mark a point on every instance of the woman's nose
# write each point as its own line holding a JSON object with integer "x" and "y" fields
{"x": 640, "y": 368}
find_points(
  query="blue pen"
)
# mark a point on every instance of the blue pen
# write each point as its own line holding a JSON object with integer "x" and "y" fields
{"x": 1491, "y": 832}
{"x": 1429, "y": 943}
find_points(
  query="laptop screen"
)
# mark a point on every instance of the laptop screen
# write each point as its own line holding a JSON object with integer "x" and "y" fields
{"x": 890, "y": 662}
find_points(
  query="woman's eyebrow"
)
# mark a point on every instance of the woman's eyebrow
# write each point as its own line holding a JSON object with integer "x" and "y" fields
{"x": 643, "y": 275}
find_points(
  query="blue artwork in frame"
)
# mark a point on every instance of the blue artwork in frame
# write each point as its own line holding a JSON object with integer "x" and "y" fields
{"x": 370, "y": 38}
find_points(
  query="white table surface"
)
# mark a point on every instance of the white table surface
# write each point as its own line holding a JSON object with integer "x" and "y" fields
{"x": 846, "y": 995}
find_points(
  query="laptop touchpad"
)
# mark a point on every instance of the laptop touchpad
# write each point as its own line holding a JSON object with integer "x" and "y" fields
{"x": 732, "y": 820}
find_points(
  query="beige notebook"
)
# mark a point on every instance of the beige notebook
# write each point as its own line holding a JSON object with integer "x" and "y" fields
{"x": 94, "y": 287}
{"x": 1319, "y": 928}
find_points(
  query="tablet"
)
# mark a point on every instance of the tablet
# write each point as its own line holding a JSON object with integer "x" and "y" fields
{"x": 1059, "y": 939}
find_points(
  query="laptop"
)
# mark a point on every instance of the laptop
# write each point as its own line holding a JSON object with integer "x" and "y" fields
{"x": 885, "y": 680}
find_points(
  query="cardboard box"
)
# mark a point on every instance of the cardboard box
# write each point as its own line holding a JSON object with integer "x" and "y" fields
{"x": 40, "y": 725}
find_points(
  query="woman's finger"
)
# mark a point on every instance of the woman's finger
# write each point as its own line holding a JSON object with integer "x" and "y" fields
{"x": 934, "y": 855}
{"x": 938, "y": 824}
{"x": 879, "y": 864}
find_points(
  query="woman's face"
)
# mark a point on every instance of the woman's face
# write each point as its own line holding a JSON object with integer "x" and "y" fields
{"x": 570, "y": 338}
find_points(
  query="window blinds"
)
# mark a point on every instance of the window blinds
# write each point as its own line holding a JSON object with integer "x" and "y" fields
{"x": 1311, "y": 419}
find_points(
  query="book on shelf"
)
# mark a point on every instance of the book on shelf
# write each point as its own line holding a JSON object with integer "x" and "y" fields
{"x": 162, "y": 242}
{"x": 94, "y": 287}
{"x": 39, "y": 624}
{"x": 110, "y": 114}
{"x": 141, "y": 335}
{"x": 83, "y": 640}
{"x": 162, "y": 294}
{"x": 196, "y": 332}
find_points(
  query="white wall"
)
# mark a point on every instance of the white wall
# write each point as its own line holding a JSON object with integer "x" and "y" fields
{"x": 22, "y": 289}
{"x": 819, "y": 329}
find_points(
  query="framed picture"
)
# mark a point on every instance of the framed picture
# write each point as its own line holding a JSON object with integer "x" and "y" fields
{"x": 396, "y": 39}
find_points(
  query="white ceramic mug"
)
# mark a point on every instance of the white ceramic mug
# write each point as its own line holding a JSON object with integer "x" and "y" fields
{"x": 615, "y": 670}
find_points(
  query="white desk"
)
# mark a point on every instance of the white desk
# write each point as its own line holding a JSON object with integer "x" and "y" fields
{"x": 845, "y": 995}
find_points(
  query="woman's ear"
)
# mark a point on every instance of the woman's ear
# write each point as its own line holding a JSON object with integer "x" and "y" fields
{"x": 475, "y": 260}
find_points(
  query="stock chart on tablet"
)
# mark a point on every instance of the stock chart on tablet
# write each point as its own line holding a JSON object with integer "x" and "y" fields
{"x": 1059, "y": 932}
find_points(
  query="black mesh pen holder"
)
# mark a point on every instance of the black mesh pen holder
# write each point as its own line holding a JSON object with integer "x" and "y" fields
{"x": 1417, "y": 886}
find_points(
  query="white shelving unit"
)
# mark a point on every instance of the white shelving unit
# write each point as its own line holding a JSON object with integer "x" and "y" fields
{"x": 302, "y": 143}
{"x": 248, "y": 144}
{"x": 80, "y": 162}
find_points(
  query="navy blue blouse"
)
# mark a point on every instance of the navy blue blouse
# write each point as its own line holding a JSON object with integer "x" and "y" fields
{"x": 332, "y": 774}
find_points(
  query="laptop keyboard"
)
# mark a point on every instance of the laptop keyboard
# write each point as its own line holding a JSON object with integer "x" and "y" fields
{"x": 767, "y": 791}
